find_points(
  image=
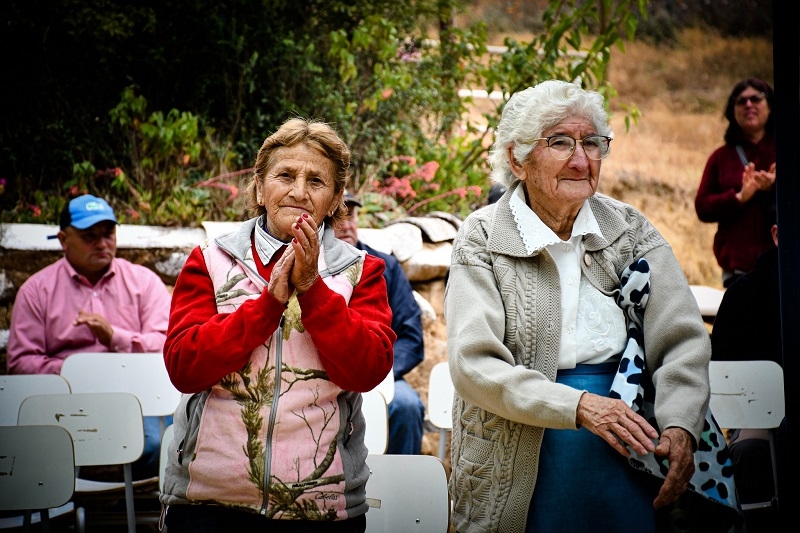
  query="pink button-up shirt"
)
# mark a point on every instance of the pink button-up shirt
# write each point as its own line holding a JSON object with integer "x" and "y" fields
{"x": 132, "y": 298}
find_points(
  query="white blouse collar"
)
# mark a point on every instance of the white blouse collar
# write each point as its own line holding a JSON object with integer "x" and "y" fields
{"x": 535, "y": 234}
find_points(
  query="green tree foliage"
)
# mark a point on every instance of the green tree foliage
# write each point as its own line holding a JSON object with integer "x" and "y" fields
{"x": 171, "y": 99}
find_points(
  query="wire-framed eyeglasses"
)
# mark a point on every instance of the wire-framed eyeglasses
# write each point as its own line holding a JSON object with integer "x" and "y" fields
{"x": 561, "y": 147}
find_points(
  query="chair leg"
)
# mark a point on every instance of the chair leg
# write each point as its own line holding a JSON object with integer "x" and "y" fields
{"x": 80, "y": 520}
{"x": 774, "y": 459}
{"x": 44, "y": 518}
{"x": 129, "y": 497}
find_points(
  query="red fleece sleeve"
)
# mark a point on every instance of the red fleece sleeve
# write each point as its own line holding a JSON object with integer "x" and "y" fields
{"x": 202, "y": 345}
{"x": 355, "y": 341}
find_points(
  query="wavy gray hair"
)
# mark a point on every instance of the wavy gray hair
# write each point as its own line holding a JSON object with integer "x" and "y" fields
{"x": 530, "y": 112}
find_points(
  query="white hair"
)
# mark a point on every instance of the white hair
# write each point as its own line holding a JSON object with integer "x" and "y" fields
{"x": 530, "y": 112}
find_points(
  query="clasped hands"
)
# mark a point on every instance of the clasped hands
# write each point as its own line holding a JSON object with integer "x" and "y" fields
{"x": 297, "y": 267}
{"x": 616, "y": 423}
{"x": 755, "y": 180}
{"x": 97, "y": 324}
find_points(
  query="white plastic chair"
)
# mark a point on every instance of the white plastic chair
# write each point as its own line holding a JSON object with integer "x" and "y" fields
{"x": 15, "y": 388}
{"x": 376, "y": 415}
{"x": 708, "y": 300}
{"x": 749, "y": 395}
{"x": 407, "y": 493}
{"x": 106, "y": 429}
{"x": 440, "y": 403}
{"x": 386, "y": 387}
{"x": 37, "y": 473}
{"x": 142, "y": 374}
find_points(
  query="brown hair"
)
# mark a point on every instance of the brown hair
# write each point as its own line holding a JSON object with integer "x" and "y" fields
{"x": 314, "y": 133}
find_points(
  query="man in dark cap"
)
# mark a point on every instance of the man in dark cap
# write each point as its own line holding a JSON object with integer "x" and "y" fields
{"x": 406, "y": 410}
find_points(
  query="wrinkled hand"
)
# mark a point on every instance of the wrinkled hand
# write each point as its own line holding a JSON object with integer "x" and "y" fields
{"x": 280, "y": 286}
{"x": 616, "y": 423}
{"x": 98, "y": 325}
{"x": 305, "y": 246}
{"x": 676, "y": 445}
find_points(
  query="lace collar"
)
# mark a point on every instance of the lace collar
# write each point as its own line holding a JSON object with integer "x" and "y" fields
{"x": 536, "y": 235}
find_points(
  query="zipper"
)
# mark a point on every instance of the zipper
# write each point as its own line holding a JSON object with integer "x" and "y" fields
{"x": 349, "y": 430}
{"x": 273, "y": 413}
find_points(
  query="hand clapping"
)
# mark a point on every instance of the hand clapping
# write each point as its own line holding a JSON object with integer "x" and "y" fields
{"x": 297, "y": 267}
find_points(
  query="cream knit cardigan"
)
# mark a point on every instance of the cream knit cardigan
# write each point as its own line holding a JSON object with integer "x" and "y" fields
{"x": 502, "y": 309}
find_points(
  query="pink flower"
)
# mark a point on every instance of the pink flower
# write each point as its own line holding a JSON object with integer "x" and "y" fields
{"x": 428, "y": 170}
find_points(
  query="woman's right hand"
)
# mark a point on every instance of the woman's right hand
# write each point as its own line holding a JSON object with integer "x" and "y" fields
{"x": 616, "y": 423}
{"x": 280, "y": 285}
{"x": 749, "y": 184}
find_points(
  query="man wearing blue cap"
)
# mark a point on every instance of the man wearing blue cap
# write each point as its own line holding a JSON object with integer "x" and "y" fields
{"x": 89, "y": 301}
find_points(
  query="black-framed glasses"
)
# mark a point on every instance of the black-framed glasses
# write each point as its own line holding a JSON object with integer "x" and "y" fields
{"x": 754, "y": 98}
{"x": 562, "y": 147}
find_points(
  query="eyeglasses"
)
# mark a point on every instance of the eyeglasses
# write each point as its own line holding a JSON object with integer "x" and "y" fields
{"x": 754, "y": 98}
{"x": 561, "y": 147}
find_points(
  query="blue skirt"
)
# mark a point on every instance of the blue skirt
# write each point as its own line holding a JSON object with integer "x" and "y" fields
{"x": 584, "y": 485}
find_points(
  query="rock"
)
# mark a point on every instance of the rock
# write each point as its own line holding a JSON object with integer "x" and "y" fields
{"x": 429, "y": 263}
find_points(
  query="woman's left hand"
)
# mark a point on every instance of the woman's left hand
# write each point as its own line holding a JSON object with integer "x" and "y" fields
{"x": 305, "y": 246}
{"x": 676, "y": 445}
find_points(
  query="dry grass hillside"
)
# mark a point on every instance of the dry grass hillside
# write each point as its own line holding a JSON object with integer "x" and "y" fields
{"x": 657, "y": 165}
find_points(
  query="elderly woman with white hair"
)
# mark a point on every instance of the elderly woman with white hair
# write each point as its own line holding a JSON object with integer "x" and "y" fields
{"x": 537, "y": 329}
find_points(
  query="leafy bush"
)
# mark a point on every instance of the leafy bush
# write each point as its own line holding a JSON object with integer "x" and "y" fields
{"x": 219, "y": 77}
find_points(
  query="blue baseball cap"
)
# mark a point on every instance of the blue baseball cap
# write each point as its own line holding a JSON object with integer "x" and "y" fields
{"x": 84, "y": 212}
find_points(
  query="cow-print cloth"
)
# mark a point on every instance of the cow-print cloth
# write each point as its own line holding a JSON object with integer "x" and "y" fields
{"x": 713, "y": 477}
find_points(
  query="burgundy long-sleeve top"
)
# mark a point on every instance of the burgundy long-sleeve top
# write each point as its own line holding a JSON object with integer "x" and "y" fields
{"x": 743, "y": 230}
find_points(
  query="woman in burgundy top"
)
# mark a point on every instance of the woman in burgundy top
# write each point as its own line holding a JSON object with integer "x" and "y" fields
{"x": 738, "y": 186}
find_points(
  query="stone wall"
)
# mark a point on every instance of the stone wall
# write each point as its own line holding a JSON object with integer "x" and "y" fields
{"x": 422, "y": 245}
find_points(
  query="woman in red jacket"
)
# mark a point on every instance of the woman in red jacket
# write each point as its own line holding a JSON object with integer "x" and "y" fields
{"x": 274, "y": 331}
{"x": 738, "y": 186}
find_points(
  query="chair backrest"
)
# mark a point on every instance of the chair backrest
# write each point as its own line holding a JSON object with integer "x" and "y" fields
{"x": 407, "y": 493}
{"x": 166, "y": 440}
{"x": 708, "y": 300}
{"x": 106, "y": 427}
{"x": 440, "y": 396}
{"x": 376, "y": 416}
{"x": 37, "y": 467}
{"x": 747, "y": 394}
{"x": 440, "y": 403}
{"x": 142, "y": 374}
{"x": 386, "y": 387}
{"x": 17, "y": 387}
